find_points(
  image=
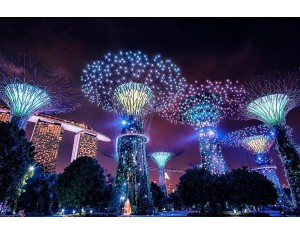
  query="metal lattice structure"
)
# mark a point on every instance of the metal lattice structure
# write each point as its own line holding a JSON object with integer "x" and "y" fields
{"x": 269, "y": 99}
{"x": 258, "y": 140}
{"x": 132, "y": 85}
{"x": 161, "y": 155}
{"x": 203, "y": 107}
{"x": 29, "y": 86}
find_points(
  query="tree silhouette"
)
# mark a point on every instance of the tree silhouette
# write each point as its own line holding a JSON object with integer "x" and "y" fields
{"x": 240, "y": 187}
{"x": 158, "y": 196}
{"x": 192, "y": 187}
{"x": 16, "y": 157}
{"x": 250, "y": 188}
{"x": 82, "y": 184}
{"x": 39, "y": 193}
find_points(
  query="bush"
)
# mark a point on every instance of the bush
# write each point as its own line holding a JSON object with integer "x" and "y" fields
{"x": 207, "y": 214}
{"x": 93, "y": 215}
{"x": 34, "y": 214}
{"x": 294, "y": 212}
{"x": 102, "y": 215}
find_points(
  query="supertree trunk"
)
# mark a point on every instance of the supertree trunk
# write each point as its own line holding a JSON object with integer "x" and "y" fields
{"x": 19, "y": 121}
{"x": 291, "y": 161}
{"x": 270, "y": 173}
{"x": 262, "y": 159}
{"x": 211, "y": 155}
{"x": 132, "y": 179}
{"x": 162, "y": 181}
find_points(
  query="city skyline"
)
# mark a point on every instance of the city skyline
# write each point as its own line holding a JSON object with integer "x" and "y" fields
{"x": 233, "y": 48}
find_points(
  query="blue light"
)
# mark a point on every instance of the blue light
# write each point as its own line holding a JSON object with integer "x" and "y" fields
{"x": 124, "y": 122}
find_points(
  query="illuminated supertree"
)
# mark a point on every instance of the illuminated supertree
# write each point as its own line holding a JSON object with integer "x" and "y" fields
{"x": 258, "y": 141}
{"x": 133, "y": 86}
{"x": 29, "y": 86}
{"x": 269, "y": 99}
{"x": 161, "y": 155}
{"x": 203, "y": 107}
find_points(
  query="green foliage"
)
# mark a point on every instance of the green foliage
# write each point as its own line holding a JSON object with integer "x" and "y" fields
{"x": 93, "y": 215}
{"x": 82, "y": 184}
{"x": 195, "y": 187}
{"x": 291, "y": 160}
{"x": 237, "y": 188}
{"x": 16, "y": 156}
{"x": 39, "y": 193}
{"x": 250, "y": 188}
{"x": 176, "y": 202}
{"x": 208, "y": 214}
{"x": 158, "y": 196}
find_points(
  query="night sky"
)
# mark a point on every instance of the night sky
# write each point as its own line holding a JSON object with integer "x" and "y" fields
{"x": 204, "y": 48}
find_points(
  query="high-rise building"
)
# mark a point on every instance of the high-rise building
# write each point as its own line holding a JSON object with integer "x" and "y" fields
{"x": 168, "y": 184}
{"x": 4, "y": 117}
{"x": 85, "y": 144}
{"x": 46, "y": 138}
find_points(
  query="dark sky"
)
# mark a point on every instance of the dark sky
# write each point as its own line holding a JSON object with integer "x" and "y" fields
{"x": 204, "y": 48}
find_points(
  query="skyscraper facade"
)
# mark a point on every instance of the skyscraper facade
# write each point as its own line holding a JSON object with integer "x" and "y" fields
{"x": 4, "y": 117}
{"x": 46, "y": 138}
{"x": 85, "y": 144}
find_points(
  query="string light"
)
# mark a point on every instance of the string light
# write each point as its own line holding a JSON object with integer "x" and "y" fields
{"x": 269, "y": 98}
{"x": 203, "y": 106}
{"x": 132, "y": 85}
{"x": 30, "y": 86}
{"x": 258, "y": 141}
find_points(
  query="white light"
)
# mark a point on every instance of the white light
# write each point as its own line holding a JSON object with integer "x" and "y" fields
{"x": 31, "y": 168}
{"x": 91, "y": 211}
{"x": 211, "y": 133}
{"x": 62, "y": 210}
{"x": 124, "y": 122}
{"x": 73, "y": 211}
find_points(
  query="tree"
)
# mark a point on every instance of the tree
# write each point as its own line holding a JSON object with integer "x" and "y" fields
{"x": 39, "y": 193}
{"x": 176, "y": 201}
{"x": 108, "y": 193}
{"x": 192, "y": 187}
{"x": 82, "y": 184}
{"x": 250, "y": 188}
{"x": 198, "y": 187}
{"x": 16, "y": 157}
{"x": 216, "y": 191}
{"x": 158, "y": 196}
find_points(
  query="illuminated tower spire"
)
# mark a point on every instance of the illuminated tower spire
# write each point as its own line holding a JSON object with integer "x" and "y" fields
{"x": 132, "y": 85}
{"x": 203, "y": 107}
{"x": 269, "y": 99}
{"x": 258, "y": 141}
{"x": 29, "y": 86}
{"x": 161, "y": 155}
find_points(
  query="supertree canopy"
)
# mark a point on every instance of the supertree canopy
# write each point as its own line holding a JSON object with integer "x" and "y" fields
{"x": 258, "y": 140}
{"x": 203, "y": 107}
{"x": 31, "y": 86}
{"x": 132, "y": 85}
{"x": 269, "y": 98}
{"x": 161, "y": 155}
